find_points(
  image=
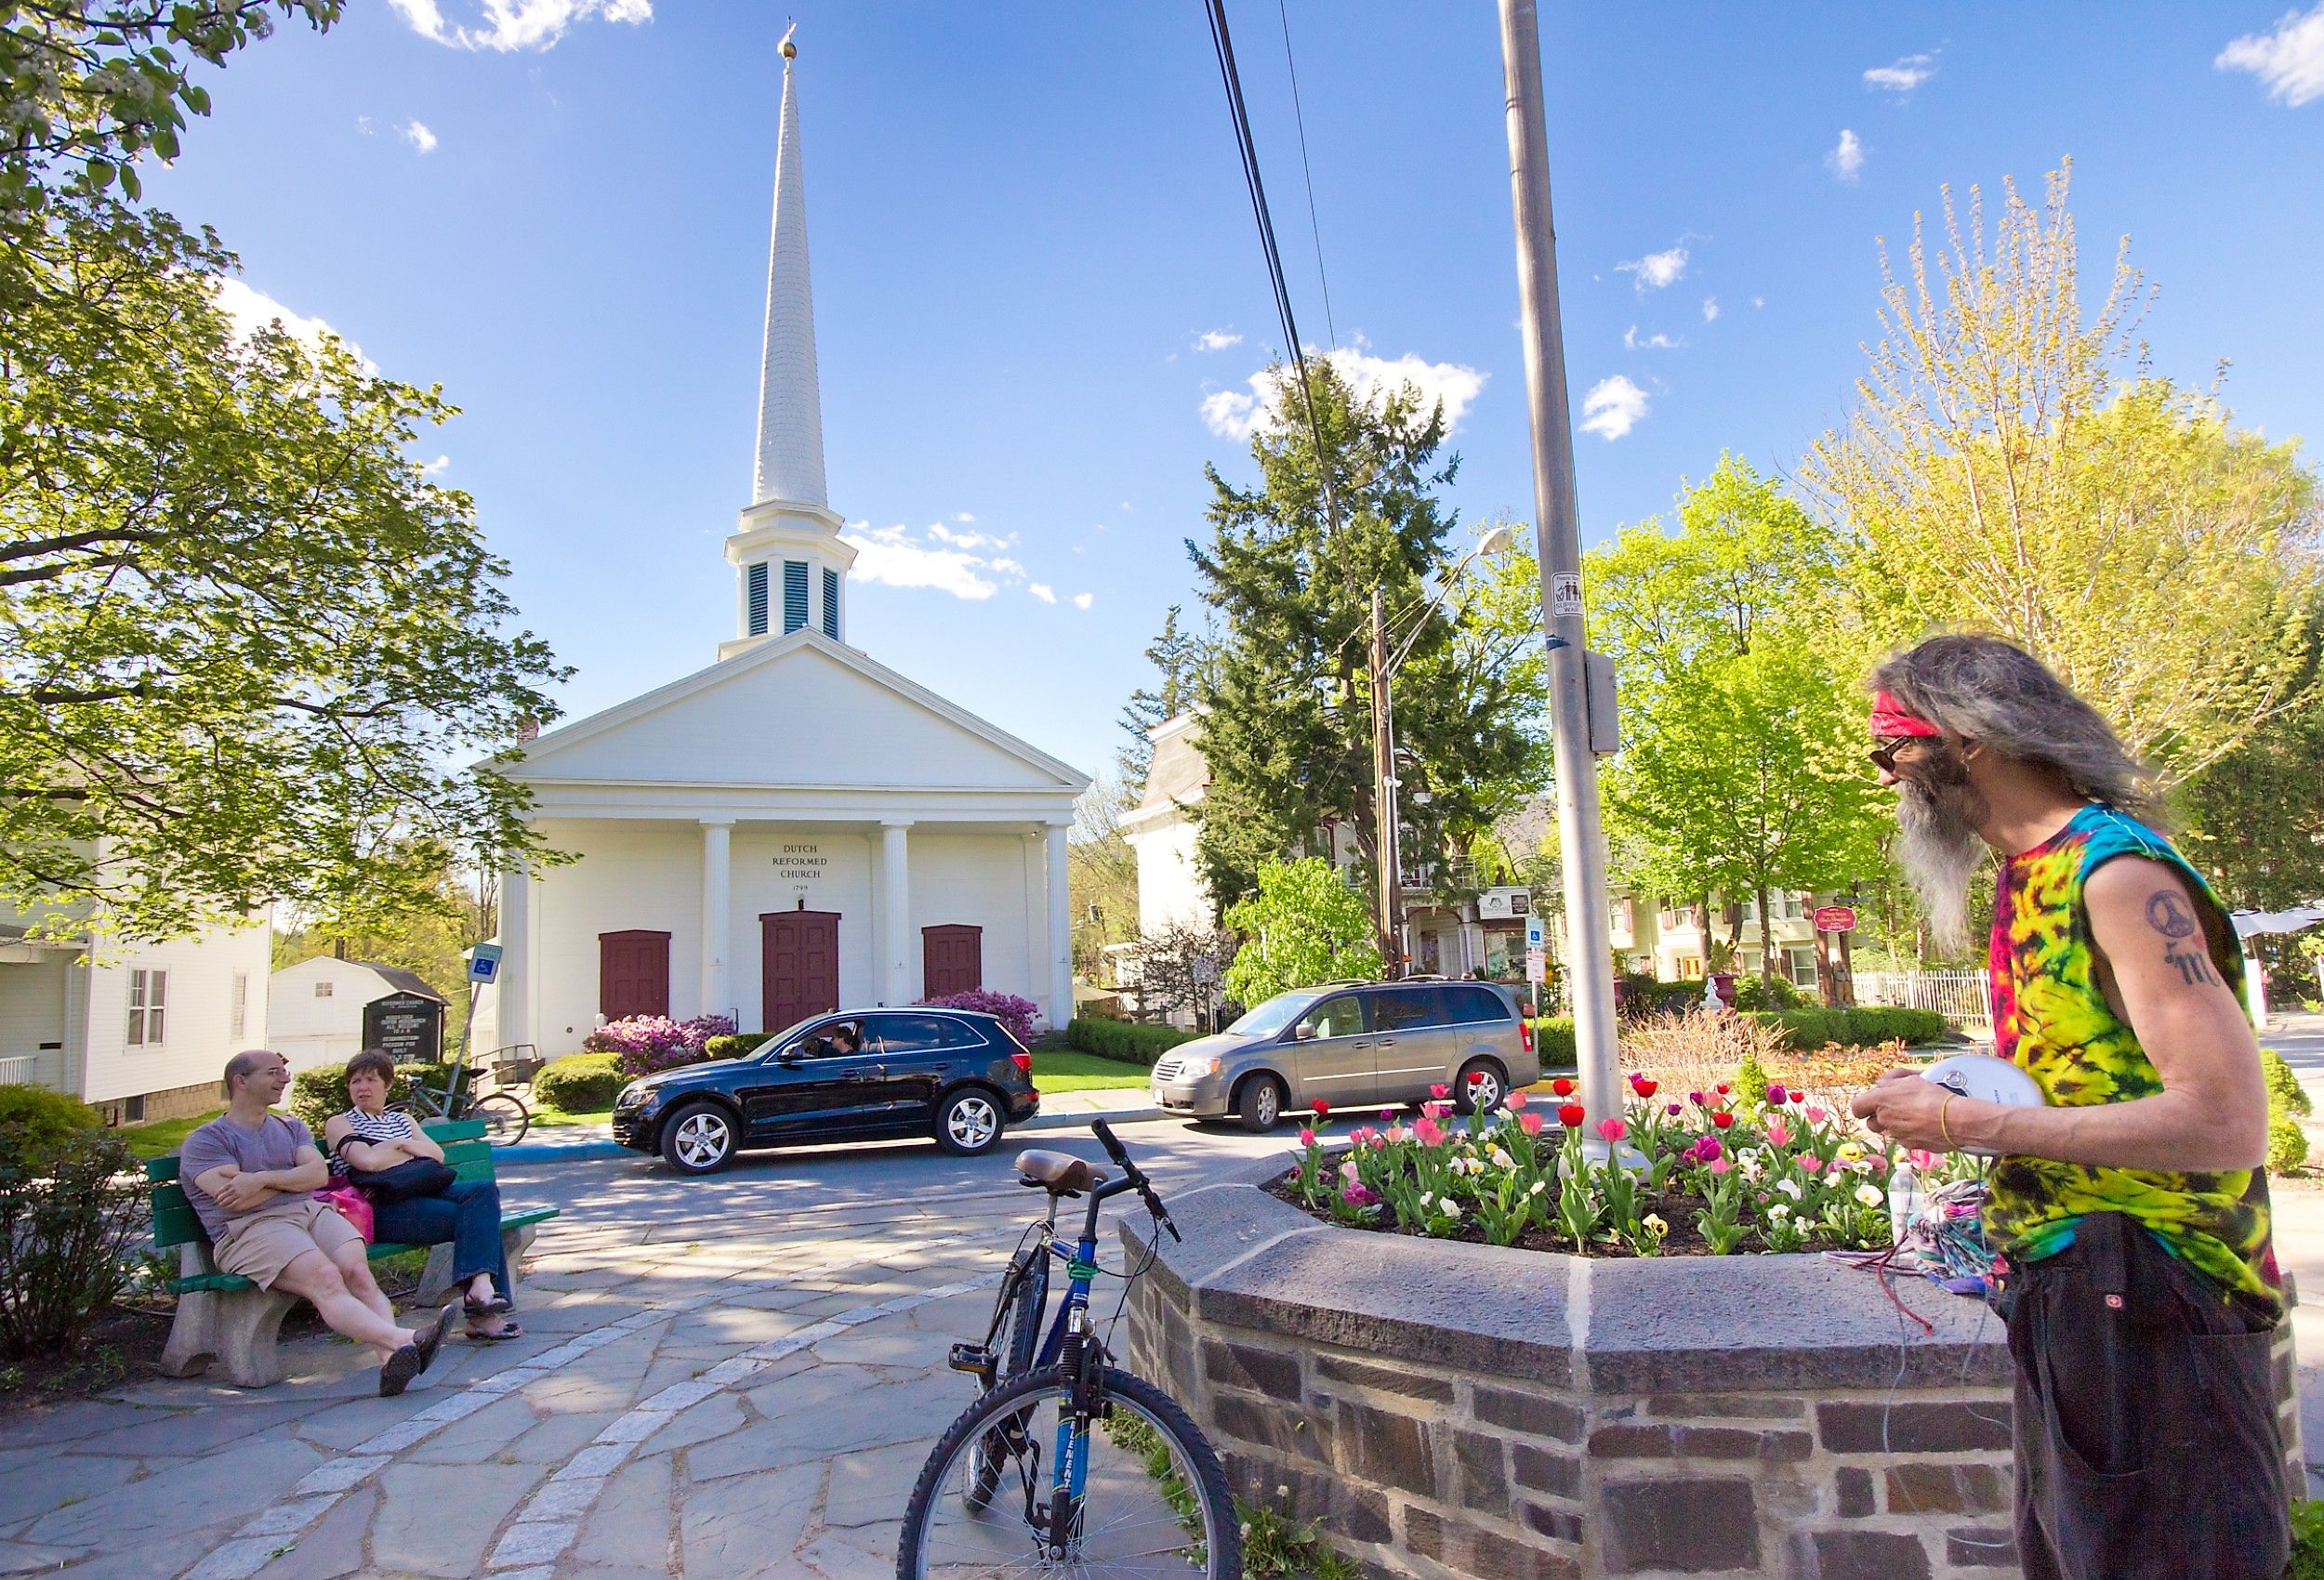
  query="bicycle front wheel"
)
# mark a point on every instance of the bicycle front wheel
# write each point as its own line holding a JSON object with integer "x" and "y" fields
{"x": 1153, "y": 1498}
{"x": 506, "y": 1118}
{"x": 1016, "y": 1334}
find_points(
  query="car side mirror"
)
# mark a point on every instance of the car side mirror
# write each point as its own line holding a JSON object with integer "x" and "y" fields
{"x": 789, "y": 1055}
{"x": 1303, "y": 1033}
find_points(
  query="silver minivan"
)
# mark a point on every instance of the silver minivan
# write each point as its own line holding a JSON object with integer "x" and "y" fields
{"x": 1353, "y": 1045}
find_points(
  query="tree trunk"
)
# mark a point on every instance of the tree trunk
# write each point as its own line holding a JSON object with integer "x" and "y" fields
{"x": 1766, "y": 940}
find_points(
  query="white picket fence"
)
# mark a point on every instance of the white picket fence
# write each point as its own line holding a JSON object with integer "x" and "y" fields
{"x": 1960, "y": 996}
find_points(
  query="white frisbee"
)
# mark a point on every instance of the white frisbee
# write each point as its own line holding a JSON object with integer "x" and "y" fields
{"x": 1989, "y": 1077}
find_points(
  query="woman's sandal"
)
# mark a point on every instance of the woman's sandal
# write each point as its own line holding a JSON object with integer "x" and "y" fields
{"x": 508, "y": 1330}
{"x": 473, "y": 1308}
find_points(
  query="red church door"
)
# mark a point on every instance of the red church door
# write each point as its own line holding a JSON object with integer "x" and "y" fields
{"x": 952, "y": 959}
{"x": 799, "y": 966}
{"x": 633, "y": 974}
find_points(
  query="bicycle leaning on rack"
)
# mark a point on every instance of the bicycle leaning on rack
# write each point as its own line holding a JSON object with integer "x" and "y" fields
{"x": 506, "y": 1117}
{"x": 1066, "y": 1464}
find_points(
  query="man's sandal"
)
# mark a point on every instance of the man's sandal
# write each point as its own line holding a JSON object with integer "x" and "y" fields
{"x": 415, "y": 1357}
{"x": 508, "y": 1330}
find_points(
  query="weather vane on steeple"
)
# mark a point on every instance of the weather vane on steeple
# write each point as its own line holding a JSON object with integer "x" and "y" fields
{"x": 790, "y": 50}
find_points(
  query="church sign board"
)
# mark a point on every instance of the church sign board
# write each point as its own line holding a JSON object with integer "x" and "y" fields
{"x": 801, "y": 864}
{"x": 409, "y": 1026}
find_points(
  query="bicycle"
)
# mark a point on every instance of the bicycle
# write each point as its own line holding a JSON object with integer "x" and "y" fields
{"x": 1132, "y": 1487}
{"x": 506, "y": 1117}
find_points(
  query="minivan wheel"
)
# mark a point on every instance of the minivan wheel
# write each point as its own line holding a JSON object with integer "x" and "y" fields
{"x": 1481, "y": 1087}
{"x": 969, "y": 1123}
{"x": 698, "y": 1139}
{"x": 1260, "y": 1104}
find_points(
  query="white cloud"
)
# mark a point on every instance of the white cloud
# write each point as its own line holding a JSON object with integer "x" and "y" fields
{"x": 888, "y": 557}
{"x": 1657, "y": 341}
{"x": 1613, "y": 407}
{"x": 418, "y": 136}
{"x": 969, "y": 539}
{"x": 251, "y": 311}
{"x": 1759, "y": 301}
{"x": 1903, "y": 77}
{"x": 438, "y": 464}
{"x": 1238, "y": 414}
{"x": 1083, "y": 601}
{"x": 1008, "y": 567}
{"x": 516, "y": 24}
{"x": 1656, "y": 269}
{"x": 964, "y": 519}
{"x": 1847, "y": 159}
{"x": 1216, "y": 340}
{"x": 2289, "y": 60}
{"x": 364, "y": 124}
{"x": 1046, "y": 594}
{"x": 1711, "y": 308}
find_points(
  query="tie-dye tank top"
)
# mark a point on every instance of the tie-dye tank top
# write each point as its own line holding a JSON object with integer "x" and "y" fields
{"x": 2051, "y": 1017}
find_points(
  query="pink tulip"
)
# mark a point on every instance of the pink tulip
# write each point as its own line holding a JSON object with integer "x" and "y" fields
{"x": 1777, "y": 1133}
{"x": 1720, "y": 1166}
{"x": 1440, "y": 1090}
{"x": 1816, "y": 1116}
{"x": 1395, "y": 1132}
{"x": 1811, "y": 1164}
{"x": 1428, "y": 1132}
{"x": 1921, "y": 1160}
{"x": 1435, "y": 1110}
{"x": 1531, "y": 1123}
{"x": 1612, "y": 1129}
{"x": 1347, "y": 1171}
{"x": 1514, "y": 1101}
{"x": 1307, "y": 1138}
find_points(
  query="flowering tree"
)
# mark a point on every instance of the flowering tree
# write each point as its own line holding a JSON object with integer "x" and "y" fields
{"x": 1304, "y": 925}
{"x": 1011, "y": 1011}
{"x": 647, "y": 1042}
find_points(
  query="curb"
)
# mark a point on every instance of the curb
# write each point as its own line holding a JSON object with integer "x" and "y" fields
{"x": 604, "y": 1146}
{"x": 1076, "y": 1121}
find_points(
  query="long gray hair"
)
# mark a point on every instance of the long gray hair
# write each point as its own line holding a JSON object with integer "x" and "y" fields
{"x": 1983, "y": 689}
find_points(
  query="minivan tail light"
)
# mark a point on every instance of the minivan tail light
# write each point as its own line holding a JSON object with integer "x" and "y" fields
{"x": 1525, "y": 1031}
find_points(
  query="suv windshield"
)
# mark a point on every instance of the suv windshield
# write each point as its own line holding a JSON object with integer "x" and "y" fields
{"x": 1268, "y": 1020}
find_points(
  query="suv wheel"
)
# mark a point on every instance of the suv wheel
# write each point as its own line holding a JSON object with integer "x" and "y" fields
{"x": 1260, "y": 1104}
{"x": 969, "y": 1121}
{"x": 1481, "y": 1087}
{"x": 698, "y": 1139}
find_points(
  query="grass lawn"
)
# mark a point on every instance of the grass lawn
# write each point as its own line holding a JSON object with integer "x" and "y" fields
{"x": 1066, "y": 1071}
{"x": 545, "y": 1115}
{"x": 163, "y": 1137}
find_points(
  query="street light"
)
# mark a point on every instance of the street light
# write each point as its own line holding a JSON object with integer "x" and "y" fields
{"x": 1384, "y": 666}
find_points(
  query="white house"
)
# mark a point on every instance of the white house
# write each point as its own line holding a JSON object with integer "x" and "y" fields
{"x": 315, "y": 1009}
{"x": 143, "y": 1033}
{"x": 796, "y": 826}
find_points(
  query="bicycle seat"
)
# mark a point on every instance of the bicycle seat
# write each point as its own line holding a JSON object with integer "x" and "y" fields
{"x": 1059, "y": 1172}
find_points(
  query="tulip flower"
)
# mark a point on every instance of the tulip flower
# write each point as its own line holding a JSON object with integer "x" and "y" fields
{"x": 1395, "y": 1133}
{"x": 1347, "y": 1171}
{"x": 1513, "y": 1101}
{"x": 1720, "y": 1166}
{"x": 1645, "y": 1086}
{"x": 1612, "y": 1129}
{"x": 1694, "y": 1097}
{"x": 1811, "y": 1164}
{"x": 1723, "y": 1089}
{"x": 1674, "y": 1109}
{"x": 1561, "y": 1086}
{"x": 1816, "y": 1116}
{"x": 1921, "y": 1160}
{"x": 1531, "y": 1123}
{"x": 1778, "y": 1132}
{"x": 1723, "y": 1119}
{"x": 1571, "y": 1116}
{"x": 1428, "y": 1132}
{"x": 1778, "y": 1095}
{"x": 1321, "y": 1107}
{"x": 1440, "y": 1090}
{"x": 1307, "y": 1138}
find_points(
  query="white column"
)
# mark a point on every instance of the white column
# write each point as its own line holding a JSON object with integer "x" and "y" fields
{"x": 716, "y": 916}
{"x": 895, "y": 911}
{"x": 1061, "y": 933}
{"x": 516, "y": 958}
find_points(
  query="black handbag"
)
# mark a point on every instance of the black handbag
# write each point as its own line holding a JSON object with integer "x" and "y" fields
{"x": 406, "y": 1181}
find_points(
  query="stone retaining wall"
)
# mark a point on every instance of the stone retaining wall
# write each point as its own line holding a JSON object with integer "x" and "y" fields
{"x": 1446, "y": 1410}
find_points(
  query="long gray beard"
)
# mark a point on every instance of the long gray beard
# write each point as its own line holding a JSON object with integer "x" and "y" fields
{"x": 1939, "y": 847}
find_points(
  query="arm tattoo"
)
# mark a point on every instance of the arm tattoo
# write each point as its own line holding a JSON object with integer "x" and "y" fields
{"x": 2167, "y": 912}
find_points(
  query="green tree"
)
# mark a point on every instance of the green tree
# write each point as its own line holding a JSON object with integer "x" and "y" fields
{"x": 1287, "y": 722}
{"x": 88, "y": 85}
{"x": 1303, "y": 926}
{"x": 244, "y": 637}
{"x": 1741, "y": 770}
{"x": 1177, "y": 657}
{"x": 1100, "y": 879}
{"x": 2010, "y": 467}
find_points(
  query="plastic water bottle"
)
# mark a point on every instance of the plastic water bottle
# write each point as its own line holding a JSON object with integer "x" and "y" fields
{"x": 1905, "y": 1200}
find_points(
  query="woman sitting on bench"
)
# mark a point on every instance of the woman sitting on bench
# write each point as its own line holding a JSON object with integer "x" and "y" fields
{"x": 467, "y": 1214}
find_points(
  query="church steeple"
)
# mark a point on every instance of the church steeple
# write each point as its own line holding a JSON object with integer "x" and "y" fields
{"x": 790, "y": 564}
{"x": 790, "y": 405}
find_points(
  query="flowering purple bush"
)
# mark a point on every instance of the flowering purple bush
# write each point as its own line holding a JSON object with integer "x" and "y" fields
{"x": 1015, "y": 1013}
{"x": 647, "y": 1042}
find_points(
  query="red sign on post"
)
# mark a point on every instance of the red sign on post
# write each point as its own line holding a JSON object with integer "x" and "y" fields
{"x": 1835, "y": 918}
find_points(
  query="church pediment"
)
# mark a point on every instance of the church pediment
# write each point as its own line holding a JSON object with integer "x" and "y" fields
{"x": 799, "y": 711}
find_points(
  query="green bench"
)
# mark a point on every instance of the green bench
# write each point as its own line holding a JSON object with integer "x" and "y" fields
{"x": 225, "y": 1318}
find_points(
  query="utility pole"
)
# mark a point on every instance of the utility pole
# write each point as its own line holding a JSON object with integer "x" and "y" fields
{"x": 1384, "y": 799}
{"x": 1558, "y": 540}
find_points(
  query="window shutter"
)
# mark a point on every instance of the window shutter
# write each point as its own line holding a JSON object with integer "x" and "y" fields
{"x": 238, "y": 1011}
{"x": 794, "y": 595}
{"x": 831, "y": 604}
{"x": 759, "y": 599}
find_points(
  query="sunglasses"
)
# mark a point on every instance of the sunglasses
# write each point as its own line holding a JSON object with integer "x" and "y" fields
{"x": 1885, "y": 754}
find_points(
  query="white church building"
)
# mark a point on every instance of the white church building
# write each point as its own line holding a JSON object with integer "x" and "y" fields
{"x": 797, "y": 827}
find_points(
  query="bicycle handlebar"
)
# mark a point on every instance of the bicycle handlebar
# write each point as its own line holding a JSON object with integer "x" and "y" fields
{"x": 1134, "y": 1175}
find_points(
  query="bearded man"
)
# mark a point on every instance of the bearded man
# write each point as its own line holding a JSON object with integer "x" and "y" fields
{"x": 2139, "y": 1284}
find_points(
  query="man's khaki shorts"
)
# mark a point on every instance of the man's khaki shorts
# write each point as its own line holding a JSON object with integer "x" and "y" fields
{"x": 259, "y": 1248}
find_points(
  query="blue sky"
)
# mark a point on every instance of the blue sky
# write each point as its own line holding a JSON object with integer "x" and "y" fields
{"x": 1028, "y": 224}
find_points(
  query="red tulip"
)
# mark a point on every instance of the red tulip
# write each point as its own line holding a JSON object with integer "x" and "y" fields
{"x": 1725, "y": 1089}
{"x": 1723, "y": 1119}
{"x": 1321, "y": 1107}
{"x": 1644, "y": 1087}
{"x": 1561, "y": 1086}
{"x": 1571, "y": 1116}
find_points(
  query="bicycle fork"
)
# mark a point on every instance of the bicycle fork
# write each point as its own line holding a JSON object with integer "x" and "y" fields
{"x": 1082, "y": 1360}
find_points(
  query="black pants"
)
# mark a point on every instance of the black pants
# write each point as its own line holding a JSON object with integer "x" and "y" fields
{"x": 2145, "y": 1421}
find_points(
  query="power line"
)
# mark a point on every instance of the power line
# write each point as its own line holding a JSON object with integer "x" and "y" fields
{"x": 1314, "y": 226}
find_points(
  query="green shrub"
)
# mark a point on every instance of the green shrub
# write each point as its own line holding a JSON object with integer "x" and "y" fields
{"x": 737, "y": 1044}
{"x": 1750, "y": 1082}
{"x": 2287, "y": 1143}
{"x": 1553, "y": 1040}
{"x": 580, "y": 1083}
{"x": 1639, "y": 995}
{"x": 2283, "y": 1087}
{"x": 315, "y": 1095}
{"x": 43, "y": 1116}
{"x": 1767, "y": 993}
{"x": 2307, "y": 1540}
{"x": 1124, "y": 1040}
{"x": 70, "y": 1208}
{"x": 1809, "y": 1029}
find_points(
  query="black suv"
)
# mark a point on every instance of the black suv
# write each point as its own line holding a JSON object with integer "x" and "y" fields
{"x": 854, "y": 1075}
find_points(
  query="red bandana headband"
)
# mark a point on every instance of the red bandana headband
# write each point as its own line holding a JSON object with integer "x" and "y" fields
{"x": 1890, "y": 719}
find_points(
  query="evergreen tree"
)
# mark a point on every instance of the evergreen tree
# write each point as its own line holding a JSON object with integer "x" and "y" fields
{"x": 1177, "y": 657}
{"x": 1288, "y": 731}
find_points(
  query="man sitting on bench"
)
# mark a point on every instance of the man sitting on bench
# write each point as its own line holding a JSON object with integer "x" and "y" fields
{"x": 253, "y": 1175}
